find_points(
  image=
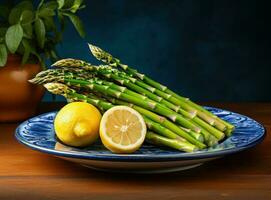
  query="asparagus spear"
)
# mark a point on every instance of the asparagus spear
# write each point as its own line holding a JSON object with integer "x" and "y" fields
{"x": 176, "y": 142}
{"x": 87, "y": 66}
{"x": 204, "y": 114}
{"x": 115, "y": 75}
{"x": 156, "y": 118}
{"x": 128, "y": 81}
{"x": 198, "y": 122}
{"x": 157, "y": 127}
{"x": 158, "y": 108}
{"x": 173, "y": 143}
{"x": 105, "y": 90}
{"x": 208, "y": 138}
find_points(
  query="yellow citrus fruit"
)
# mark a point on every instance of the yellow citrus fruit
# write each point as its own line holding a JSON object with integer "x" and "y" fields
{"x": 122, "y": 129}
{"x": 77, "y": 124}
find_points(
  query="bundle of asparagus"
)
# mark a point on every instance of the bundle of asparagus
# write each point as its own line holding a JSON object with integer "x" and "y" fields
{"x": 172, "y": 120}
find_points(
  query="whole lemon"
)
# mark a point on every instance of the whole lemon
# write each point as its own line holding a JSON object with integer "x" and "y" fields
{"x": 77, "y": 124}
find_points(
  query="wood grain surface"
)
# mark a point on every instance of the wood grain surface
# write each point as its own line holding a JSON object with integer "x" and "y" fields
{"x": 28, "y": 174}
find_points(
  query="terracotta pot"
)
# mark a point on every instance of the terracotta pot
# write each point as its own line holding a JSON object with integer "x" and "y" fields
{"x": 18, "y": 98}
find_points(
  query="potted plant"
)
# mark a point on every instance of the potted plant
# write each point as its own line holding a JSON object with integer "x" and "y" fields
{"x": 28, "y": 36}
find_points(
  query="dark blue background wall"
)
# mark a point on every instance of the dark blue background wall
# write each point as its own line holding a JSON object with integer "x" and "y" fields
{"x": 209, "y": 50}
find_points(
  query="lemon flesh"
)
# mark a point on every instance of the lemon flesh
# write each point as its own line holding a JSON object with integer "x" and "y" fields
{"x": 122, "y": 129}
{"x": 77, "y": 124}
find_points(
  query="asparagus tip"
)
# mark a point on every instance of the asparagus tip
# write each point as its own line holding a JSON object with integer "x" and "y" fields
{"x": 56, "y": 88}
{"x": 102, "y": 55}
{"x": 33, "y": 81}
{"x": 63, "y": 62}
{"x": 93, "y": 49}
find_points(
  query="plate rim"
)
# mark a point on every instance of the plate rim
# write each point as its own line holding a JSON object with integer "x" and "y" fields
{"x": 138, "y": 157}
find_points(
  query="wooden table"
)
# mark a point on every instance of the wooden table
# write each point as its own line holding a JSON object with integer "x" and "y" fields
{"x": 28, "y": 174}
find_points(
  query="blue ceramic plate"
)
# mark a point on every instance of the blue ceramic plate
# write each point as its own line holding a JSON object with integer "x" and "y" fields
{"x": 38, "y": 134}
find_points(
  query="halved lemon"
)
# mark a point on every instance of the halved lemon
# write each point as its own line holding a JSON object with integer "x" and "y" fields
{"x": 122, "y": 129}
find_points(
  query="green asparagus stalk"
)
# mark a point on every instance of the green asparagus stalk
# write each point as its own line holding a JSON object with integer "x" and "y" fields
{"x": 157, "y": 107}
{"x": 78, "y": 74}
{"x": 210, "y": 140}
{"x": 175, "y": 142}
{"x": 156, "y": 118}
{"x": 207, "y": 137}
{"x": 125, "y": 80}
{"x": 202, "y": 124}
{"x": 115, "y": 75}
{"x": 218, "y": 121}
{"x": 158, "y": 128}
{"x": 154, "y": 126}
{"x": 105, "y": 90}
{"x": 204, "y": 114}
{"x": 104, "y": 70}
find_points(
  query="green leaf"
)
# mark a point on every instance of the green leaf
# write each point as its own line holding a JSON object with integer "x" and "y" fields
{"x": 16, "y": 12}
{"x": 14, "y": 16}
{"x": 49, "y": 24}
{"x": 60, "y": 3}
{"x": 14, "y": 37}
{"x": 68, "y": 4}
{"x": 81, "y": 7}
{"x": 46, "y": 12}
{"x": 40, "y": 32}
{"x": 41, "y": 2}
{"x": 76, "y": 5}
{"x": 77, "y": 24}
{"x": 3, "y": 55}
{"x": 50, "y": 5}
{"x": 27, "y": 51}
{"x": 27, "y": 16}
{"x": 28, "y": 30}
